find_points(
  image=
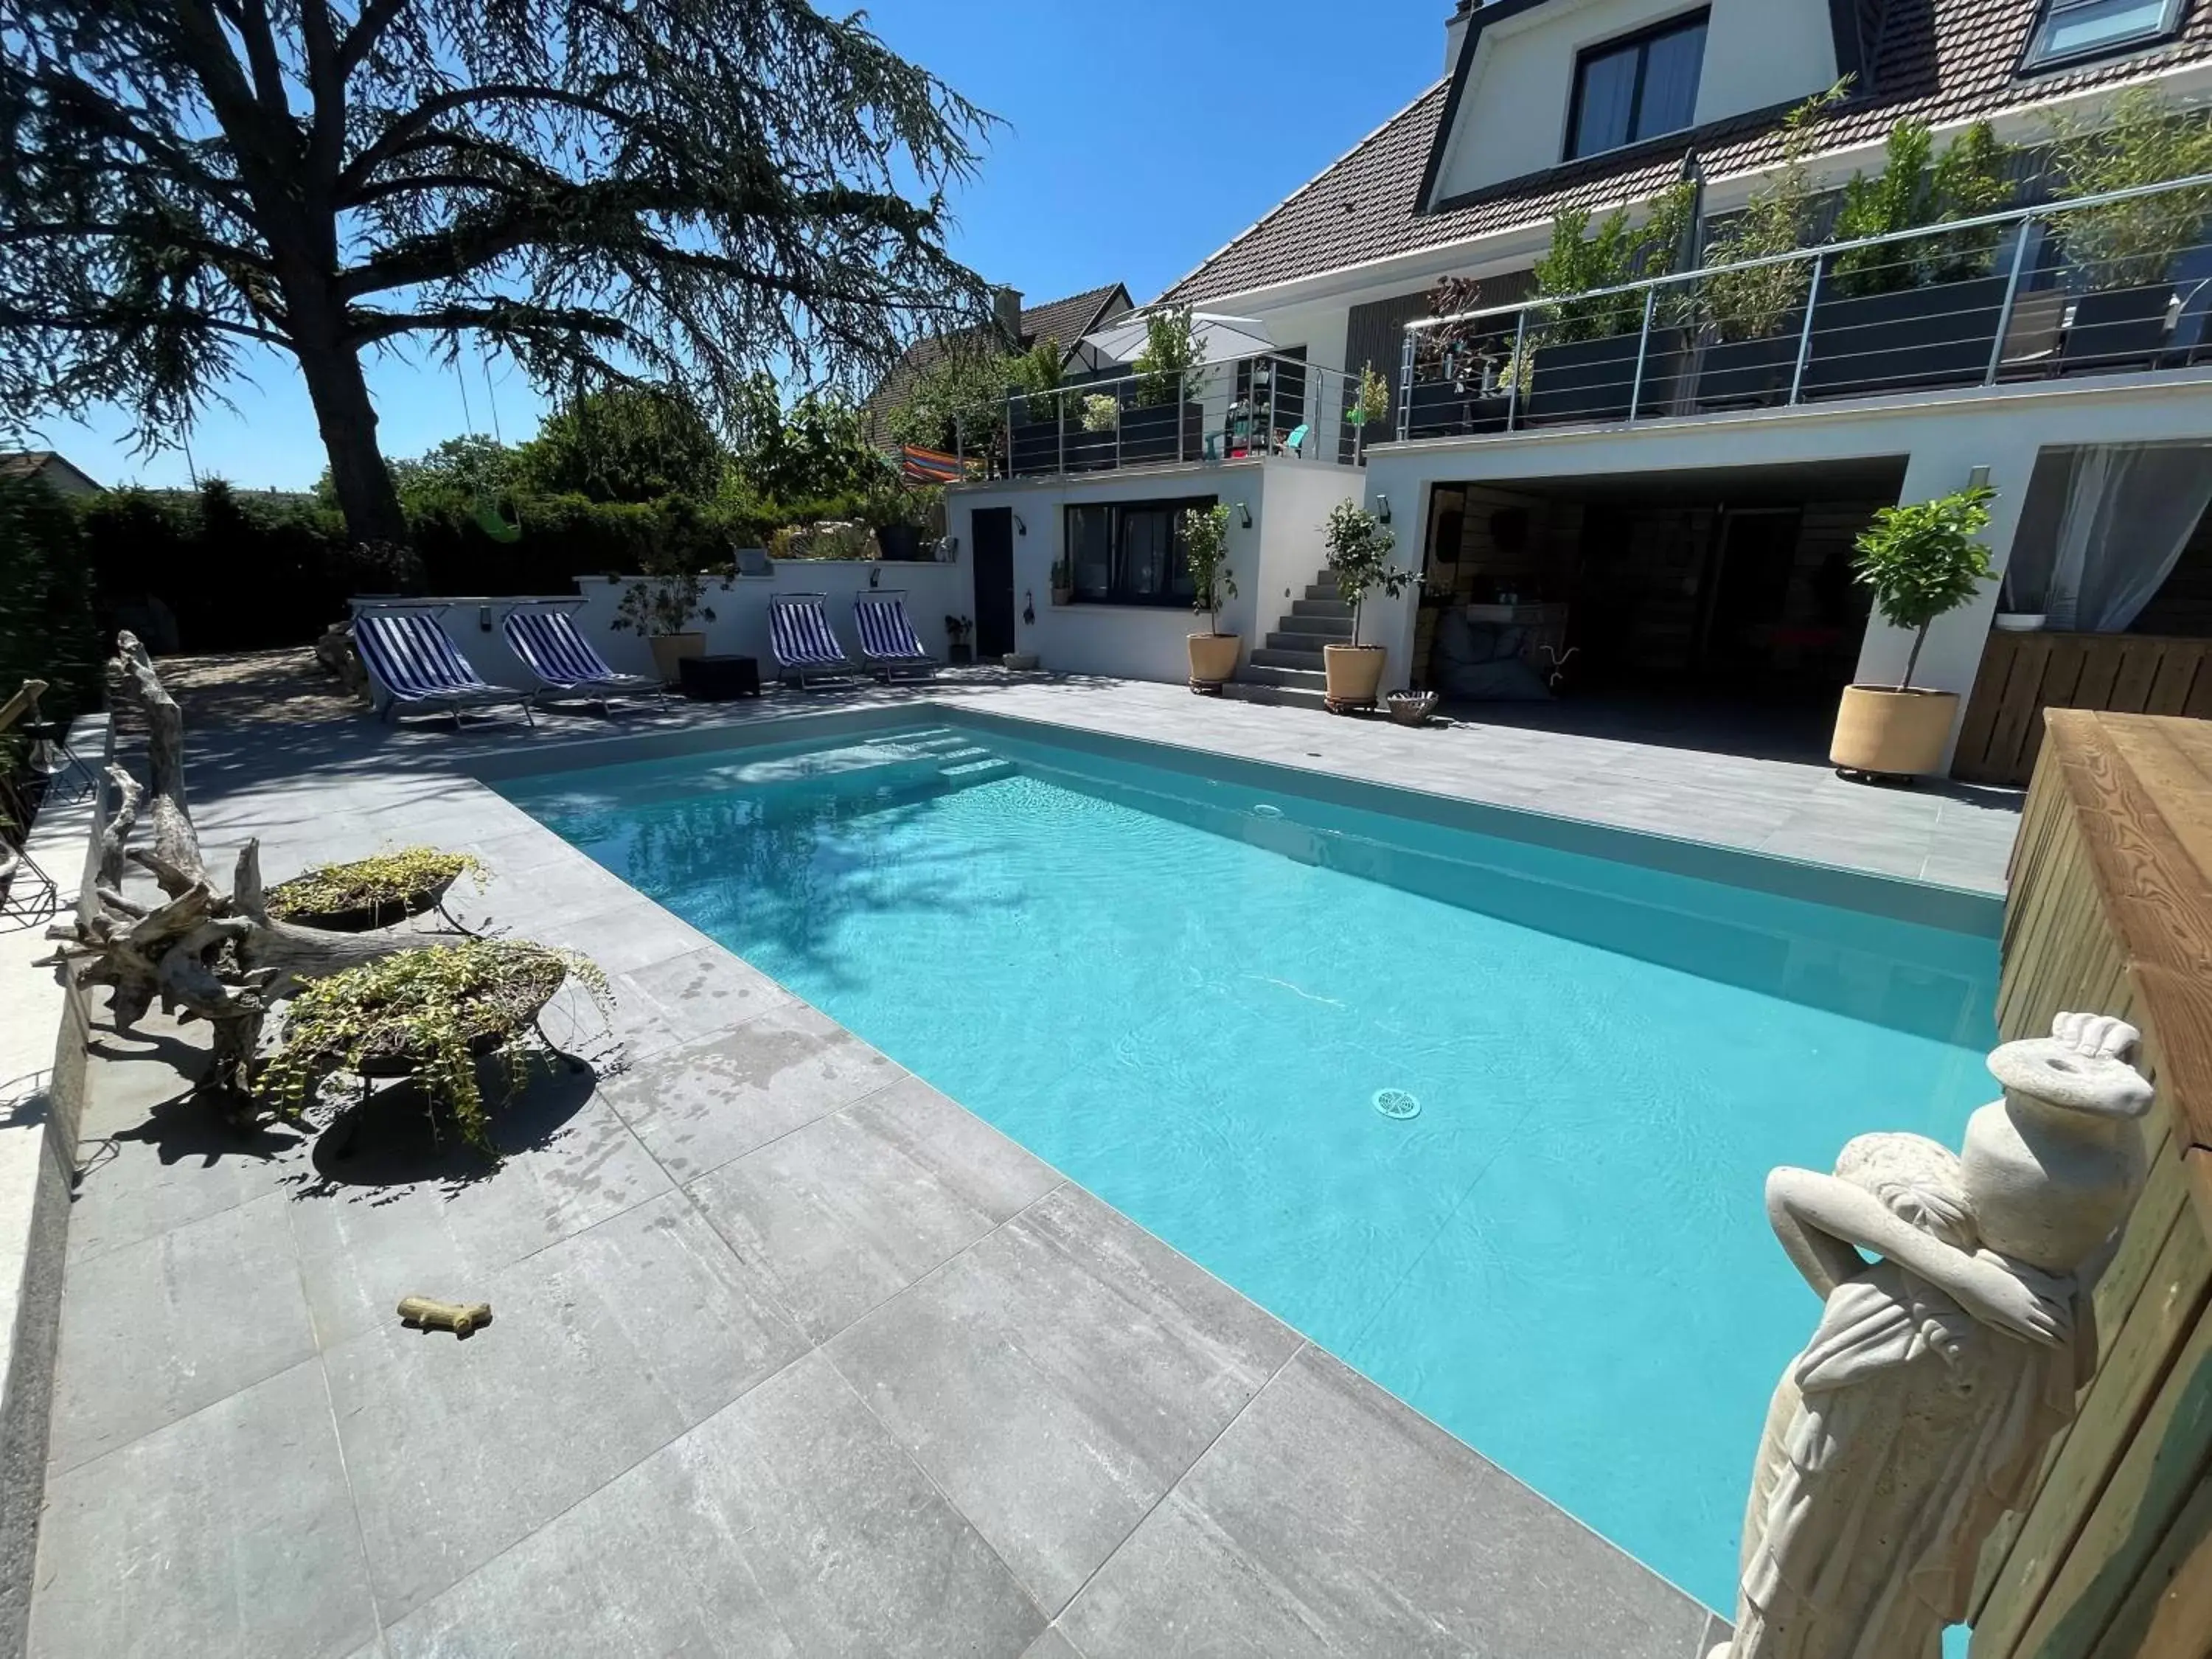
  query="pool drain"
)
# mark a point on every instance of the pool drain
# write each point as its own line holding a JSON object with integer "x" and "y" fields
{"x": 1396, "y": 1102}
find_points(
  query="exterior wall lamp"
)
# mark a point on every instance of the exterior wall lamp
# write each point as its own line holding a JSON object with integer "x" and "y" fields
{"x": 1244, "y": 514}
{"x": 1019, "y": 526}
{"x": 1383, "y": 509}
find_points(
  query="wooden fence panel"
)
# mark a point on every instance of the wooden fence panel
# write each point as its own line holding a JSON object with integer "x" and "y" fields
{"x": 2111, "y": 911}
{"x": 2021, "y": 675}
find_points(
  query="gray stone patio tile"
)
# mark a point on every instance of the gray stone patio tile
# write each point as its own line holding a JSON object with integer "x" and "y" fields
{"x": 787, "y": 1523}
{"x": 1053, "y": 1644}
{"x": 231, "y": 1532}
{"x": 1058, "y": 1377}
{"x": 700, "y": 993}
{"x": 363, "y": 1246}
{"x": 155, "y": 1330}
{"x": 698, "y": 1106}
{"x": 176, "y": 1164}
{"x": 622, "y": 938}
{"x": 602, "y": 1349}
{"x": 1717, "y": 1631}
{"x": 851, "y": 1209}
{"x": 1885, "y": 853}
{"x": 1330, "y": 1519}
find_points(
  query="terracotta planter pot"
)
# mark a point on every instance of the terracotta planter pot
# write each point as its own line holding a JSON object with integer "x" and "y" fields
{"x": 1213, "y": 658}
{"x": 670, "y": 649}
{"x": 1892, "y": 733}
{"x": 1354, "y": 671}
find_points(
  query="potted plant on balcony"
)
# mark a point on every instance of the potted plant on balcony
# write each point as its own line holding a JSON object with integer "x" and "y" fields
{"x": 2127, "y": 251}
{"x": 1752, "y": 318}
{"x": 1445, "y": 357}
{"x": 1359, "y": 547}
{"x": 1925, "y": 311}
{"x": 1922, "y": 561}
{"x": 1164, "y": 423}
{"x": 662, "y": 605}
{"x": 1206, "y": 554}
{"x": 1585, "y": 364}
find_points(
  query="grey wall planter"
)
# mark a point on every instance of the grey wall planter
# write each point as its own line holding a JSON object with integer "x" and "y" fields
{"x": 1749, "y": 374}
{"x": 2116, "y": 328}
{"x": 1592, "y": 379}
{"x": 1941, "y": 335}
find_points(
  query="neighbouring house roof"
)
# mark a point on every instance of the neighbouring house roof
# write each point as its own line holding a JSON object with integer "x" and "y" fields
{"x": 50, "y": 468}
{"x": 1939, "y": 61}
{"x": 1065, "y": 320}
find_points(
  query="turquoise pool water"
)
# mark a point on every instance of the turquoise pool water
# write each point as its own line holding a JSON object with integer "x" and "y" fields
{"x": 1186, "y": 993}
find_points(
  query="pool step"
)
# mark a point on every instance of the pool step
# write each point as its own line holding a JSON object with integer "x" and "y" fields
{"x": 978, "y": 771}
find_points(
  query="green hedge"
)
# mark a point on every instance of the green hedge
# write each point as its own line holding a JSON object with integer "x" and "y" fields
{"x": 47, "y": 629}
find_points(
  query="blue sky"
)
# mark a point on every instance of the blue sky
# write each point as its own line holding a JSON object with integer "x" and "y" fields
{"x": 1142, "y": 136}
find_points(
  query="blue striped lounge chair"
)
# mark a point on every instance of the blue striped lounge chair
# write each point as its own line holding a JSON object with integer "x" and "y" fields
{"x": 799, "y": 633}
{"x": 888, "y": 641}
{"x": 412, "y": 660}
{"x": 566, "y": 662}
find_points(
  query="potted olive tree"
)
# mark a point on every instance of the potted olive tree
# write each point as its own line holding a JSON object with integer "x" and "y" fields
{"x": 1205, "y": 554}
{"x": 1359, "y": 547}
{"x": 2127, "y": 251}
{"x": 662, "y": 605}
{"x": 1922, "y": 561}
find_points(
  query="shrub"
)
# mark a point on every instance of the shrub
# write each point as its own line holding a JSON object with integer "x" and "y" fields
{"x": 1172, "y": 353}
{"x": 1359, "y": 547}
{"x": 1619, "y": 251}
{"x": 2142, "y": 140}
{"x": 47, "y": 629}
{"x": 1922, "y": 561}
{"x": 1204, "y": 551}
{"x": 1971, "y": 179}
{"x": 1749, "y": 305}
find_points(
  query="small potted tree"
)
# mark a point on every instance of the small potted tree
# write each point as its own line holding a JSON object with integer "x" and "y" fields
{"x": 1359, "y": 547}
{"x": 662, "y": 605}
{"x": 1922, "y": 561}
{"x": 1205, "y": 554}
{"x": 2127, "y": 251}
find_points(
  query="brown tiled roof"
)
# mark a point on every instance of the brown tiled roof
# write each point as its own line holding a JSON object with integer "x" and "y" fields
{"x": 1941, "y": 61}
{"x": 1065, "y": 320}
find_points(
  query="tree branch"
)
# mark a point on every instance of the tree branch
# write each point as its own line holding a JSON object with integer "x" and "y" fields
{"x": 427, "y": 113}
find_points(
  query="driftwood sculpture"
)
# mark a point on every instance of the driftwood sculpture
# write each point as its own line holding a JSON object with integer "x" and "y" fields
{"x": 201, "y": 954}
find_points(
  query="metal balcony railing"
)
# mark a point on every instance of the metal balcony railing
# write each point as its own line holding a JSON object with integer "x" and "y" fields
{"x": 1261, "y": 404}
{"x": 2116, "y": 284}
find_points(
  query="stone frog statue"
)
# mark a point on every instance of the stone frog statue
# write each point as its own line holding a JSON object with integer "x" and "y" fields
{"x": 1921, "y": 1407}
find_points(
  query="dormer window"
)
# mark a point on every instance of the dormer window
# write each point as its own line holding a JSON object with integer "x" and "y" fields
{"x": 2074, "y": 29}
{"x": 1641, "y": 86}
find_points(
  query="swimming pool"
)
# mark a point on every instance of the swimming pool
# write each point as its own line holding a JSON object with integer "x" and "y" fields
{"x": 1203, "y": 989}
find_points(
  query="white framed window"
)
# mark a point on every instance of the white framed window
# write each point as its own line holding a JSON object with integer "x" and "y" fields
{"x": 2072, "y": 29}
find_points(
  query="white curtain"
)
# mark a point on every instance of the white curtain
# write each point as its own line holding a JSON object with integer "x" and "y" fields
{"x": 2130, "y": 508}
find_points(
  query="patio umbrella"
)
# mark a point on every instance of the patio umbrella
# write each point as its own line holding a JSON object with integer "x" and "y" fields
{"x": 1220, "y": 338}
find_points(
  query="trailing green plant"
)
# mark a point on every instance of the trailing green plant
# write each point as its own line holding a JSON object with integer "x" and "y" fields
{"x": 1206, "y": 554}
{"x": 394, "y": 881}
{"x": 1777, "y": 218}
{"x": 1915, "y": 189}
{"x": 2140, "y": 140}
{"x": 1359, "y": 547}
{"x": 1923, "y": 561}
{"x": 1102, "y": 412}
{"x": 1171, "y": 352}
{"x": 1623, "y": 248}
{"x": 432, "y": 1012}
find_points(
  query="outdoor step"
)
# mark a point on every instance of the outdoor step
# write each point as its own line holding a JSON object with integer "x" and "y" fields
{"x": 1256, "y": 673}
{"x": 1320, "y": 608}
{"x": 1298, "y": 628}
{"x": 1321, "y": 591}
{"x": 978, "y": 771}
{"x": 1271, "y": 657}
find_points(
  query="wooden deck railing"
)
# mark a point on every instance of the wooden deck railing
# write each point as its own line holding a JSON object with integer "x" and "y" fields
{"x": 2110, "y": 912}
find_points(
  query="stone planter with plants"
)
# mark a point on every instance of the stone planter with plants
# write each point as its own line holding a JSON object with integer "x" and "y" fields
{"x": 1922, "y": 561}
{"x": 1205, "y": 554}
{"x": 2128, "y": 251}
{"x": 662, "y": 605}
{"x": 1359, "y": 548}
{"x": 1924, "y": 312}
{"x": 1585, "y": 352}
{"x": 430, "y": 1014}
{"x": 372, "y": 892}
{"x": 1162, "y": 421}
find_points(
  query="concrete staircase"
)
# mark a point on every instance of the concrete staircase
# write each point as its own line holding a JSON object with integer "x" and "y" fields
{"x": 1289, "y": 667}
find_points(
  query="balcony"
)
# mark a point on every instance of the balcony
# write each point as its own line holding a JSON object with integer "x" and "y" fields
{"x": 1244, "y": 408}
{"x": 2114, "y": 285}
